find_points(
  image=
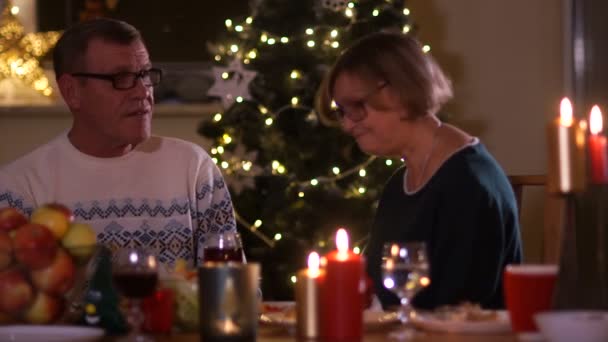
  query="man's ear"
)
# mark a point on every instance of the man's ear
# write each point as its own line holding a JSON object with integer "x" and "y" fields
{"x": 69, "y": 87}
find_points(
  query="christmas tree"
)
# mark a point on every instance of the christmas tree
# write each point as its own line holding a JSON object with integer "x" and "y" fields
{"x": 293, "y": 179}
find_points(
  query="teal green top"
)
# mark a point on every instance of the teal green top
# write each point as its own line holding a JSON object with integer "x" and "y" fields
{"x": 467, "y": 215}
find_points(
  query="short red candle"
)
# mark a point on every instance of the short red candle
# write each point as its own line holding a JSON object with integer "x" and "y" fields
{"x": 598, "y": 154}
{"x": 342, "y": 286}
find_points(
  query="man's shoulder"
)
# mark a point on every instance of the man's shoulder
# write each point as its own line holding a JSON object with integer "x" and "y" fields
{"x": 31, "y": 159}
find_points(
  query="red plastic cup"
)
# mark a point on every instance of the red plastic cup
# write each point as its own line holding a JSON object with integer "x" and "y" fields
{"x": 159, "y": 311}
{"x": 528, "y": 290}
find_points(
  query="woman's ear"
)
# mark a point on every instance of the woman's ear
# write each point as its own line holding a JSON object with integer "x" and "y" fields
{"x": 69, "y": 87}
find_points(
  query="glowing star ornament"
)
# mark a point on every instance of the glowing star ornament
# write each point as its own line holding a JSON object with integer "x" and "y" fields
{"x": 20, "y": 52}
{"x": 242, "y": 170}
{"x": 231, "y": 82}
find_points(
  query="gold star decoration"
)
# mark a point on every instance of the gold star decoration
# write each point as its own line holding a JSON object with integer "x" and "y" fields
{"x": 20, "y": 52}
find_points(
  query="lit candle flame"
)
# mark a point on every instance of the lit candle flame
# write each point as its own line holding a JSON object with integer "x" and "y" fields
{"x": 565, "y": 113}
{"x": 342, "y": 244}
{"x": 595, "y": 120}
{"x": 313, "y": 264}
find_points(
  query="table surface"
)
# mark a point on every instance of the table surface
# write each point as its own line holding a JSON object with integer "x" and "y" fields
{"x": 267, "y": 334}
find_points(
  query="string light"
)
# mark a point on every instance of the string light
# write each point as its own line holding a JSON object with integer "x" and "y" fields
{"x": 426, "y": 48}
{"x": 324, "y": 39}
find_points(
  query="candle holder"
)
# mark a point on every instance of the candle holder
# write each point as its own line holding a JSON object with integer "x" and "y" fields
{"x": 583, "y": 277}
{"x": 582, "y": 280}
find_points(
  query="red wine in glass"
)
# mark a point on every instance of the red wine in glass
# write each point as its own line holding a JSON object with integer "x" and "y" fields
{"x": 135, "y": 284}
{"x": 223, "y": 254}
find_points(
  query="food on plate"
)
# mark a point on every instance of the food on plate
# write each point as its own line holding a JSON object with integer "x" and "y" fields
{"x": 465, "y": 312}
{"x": 184, "y": 284}
{"x": 44, "y": 310}
{"x": 11, "y": 219}
{"x": 16, "y": 293}
{"x": 39, "y": 262}
{"x": 6, "y": 250}
{"x": 79, "y": 240}
{"x": 56, "y": 217}
{"x": 35, "y": 246}
{"x": 58, "y": 277}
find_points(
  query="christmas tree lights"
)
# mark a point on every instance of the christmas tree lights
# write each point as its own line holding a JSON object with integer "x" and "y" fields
{"x": 295, "y": 178}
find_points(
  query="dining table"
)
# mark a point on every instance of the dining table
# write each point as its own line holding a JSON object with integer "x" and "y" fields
{"x": 276, "y": 334}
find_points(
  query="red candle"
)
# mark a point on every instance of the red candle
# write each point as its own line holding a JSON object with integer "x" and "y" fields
{"x": 598, "y": 154}
{"x": 341, "y": 310}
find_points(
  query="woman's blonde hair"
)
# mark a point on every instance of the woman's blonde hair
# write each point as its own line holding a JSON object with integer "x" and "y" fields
{"x": 396, "y": 59}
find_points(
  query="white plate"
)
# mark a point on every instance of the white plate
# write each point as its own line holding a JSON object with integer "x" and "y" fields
{"x": 277, "y": 316}
{"x": 428, "y": 321}
{"x": 49, "y": 333}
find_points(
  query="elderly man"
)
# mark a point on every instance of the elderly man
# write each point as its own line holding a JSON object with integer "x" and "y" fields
{"x": 132, "y": 187}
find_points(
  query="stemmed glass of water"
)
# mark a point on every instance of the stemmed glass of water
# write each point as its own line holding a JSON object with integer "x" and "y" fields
{"x": 405, "y": 271}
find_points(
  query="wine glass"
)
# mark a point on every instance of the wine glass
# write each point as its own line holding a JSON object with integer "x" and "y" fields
{"x": 223, "y": 247}
{"x": 405, "y": 271}
{"x": 135, "y": 276}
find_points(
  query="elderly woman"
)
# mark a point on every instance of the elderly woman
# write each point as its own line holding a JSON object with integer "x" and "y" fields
{"x": 451, "y": 193}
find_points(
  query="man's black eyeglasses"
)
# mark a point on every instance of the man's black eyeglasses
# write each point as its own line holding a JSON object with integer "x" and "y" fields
{"x": 127, "y": 80}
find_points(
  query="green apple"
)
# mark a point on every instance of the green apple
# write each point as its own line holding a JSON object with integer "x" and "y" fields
{"x": 80, "y": 240}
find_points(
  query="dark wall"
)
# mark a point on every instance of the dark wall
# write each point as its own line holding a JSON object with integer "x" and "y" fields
{"x": 174, "y": 30}
{"x": 590, "y": 53}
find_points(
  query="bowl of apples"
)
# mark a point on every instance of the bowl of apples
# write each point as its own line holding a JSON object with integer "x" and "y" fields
{"x": 44, "y": 263}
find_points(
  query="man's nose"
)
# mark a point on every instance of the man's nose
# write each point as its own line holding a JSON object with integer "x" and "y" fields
{"x": 141, "y": 89}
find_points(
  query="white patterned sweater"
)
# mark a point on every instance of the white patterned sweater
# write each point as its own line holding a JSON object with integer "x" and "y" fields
{"x": 166, "y": 194}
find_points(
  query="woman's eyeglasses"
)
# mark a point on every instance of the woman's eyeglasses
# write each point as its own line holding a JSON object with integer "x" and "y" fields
{"x": 355, "y": 111}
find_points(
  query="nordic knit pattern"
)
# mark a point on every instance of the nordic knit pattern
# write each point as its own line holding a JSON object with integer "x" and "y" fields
{"x": 166, "y": 194}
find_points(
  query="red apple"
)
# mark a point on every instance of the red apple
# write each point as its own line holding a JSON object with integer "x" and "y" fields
{"x": 35, "y": 246}
{"x": 64, "y": 209}
{"x": 56, "y": 217}
{"x": 15, "y": 292}
{"x": 6, "y": 319}
{"x": 10, "y": 219}
{"x": 58, "y": 277}
{"x": 44, "y": 310}
{"x": 6, "y": 250}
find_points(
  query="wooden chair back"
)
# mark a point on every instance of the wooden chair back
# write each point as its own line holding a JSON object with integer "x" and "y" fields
{"x": 552, "y": 218}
